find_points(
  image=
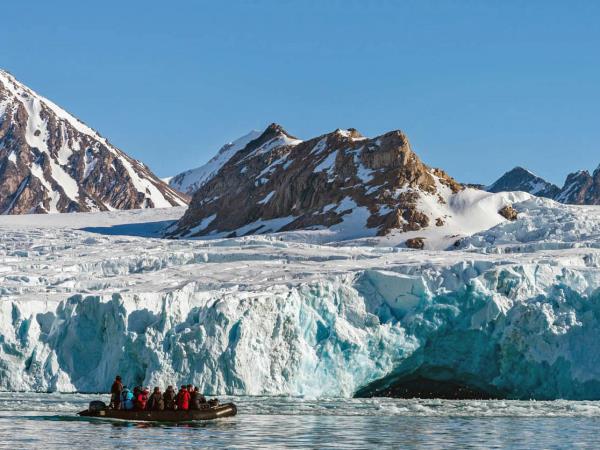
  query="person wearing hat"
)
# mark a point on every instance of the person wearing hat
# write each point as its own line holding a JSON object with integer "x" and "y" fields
{"x": 155, "y": 402}
{"x": 126, "y": 399}
{"x": 115, "y": 393}
{"x": 169, "y": 398}
{"x": 197, "y": 399}
{"x": 141, "y": 399}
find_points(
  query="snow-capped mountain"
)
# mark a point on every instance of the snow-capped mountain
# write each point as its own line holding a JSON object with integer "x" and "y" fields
{"x": 190, "y": 181}
{"x": 51, "y": 162}
{"x": 342, "y": 182}
{"x": 520, "y": 179}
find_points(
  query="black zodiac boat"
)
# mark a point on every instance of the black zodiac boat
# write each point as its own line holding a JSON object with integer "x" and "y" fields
{"x": 99, "y": 410}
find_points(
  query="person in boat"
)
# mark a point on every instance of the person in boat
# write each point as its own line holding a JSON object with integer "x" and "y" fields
{"x": 141, "y": 399}
{"x": 126, "y": 399}
{"x": 115, "y": 393}
{"x": 156, "y": 402}
{"x": 183, "y": 399}
{"x": 197, "y": 400}
{"x": 169, "y": 398}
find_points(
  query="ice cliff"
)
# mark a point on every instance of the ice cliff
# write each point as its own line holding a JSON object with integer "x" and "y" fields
{"x": 515, "y": 312}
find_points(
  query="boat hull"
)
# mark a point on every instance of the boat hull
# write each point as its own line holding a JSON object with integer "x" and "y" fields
{"x": 225, "y": 410}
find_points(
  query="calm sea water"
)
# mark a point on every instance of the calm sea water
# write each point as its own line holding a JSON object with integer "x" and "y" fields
{"x": 49, "y": 421}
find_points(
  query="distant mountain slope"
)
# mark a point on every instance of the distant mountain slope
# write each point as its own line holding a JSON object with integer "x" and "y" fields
{"x": 520, "y": 179}
{"x": 51, "y": 162}
{"x": 340, "y": 184}
{"x": 191, "y": 180}
{"x": 580, "y": 188}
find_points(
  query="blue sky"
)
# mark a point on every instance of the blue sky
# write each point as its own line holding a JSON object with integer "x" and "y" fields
{"x": 478, "y": 86}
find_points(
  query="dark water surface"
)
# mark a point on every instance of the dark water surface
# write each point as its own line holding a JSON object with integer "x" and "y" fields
{"x": 49, "y": 421}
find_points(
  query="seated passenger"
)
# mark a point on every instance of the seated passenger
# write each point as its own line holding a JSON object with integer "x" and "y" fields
{"x": 141, "y": 399}
{"x": 183, "y": 399}
{"x": 155, "y": 402}
{"x": 197, "y": 399}
{"x": 169, "y": 398}
{"x": 126, "y": 399}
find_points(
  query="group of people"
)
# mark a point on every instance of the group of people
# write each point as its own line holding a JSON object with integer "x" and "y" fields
{"x": 140, "y": 399}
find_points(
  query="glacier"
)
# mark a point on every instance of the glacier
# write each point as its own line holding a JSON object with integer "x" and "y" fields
{"x": 514, "y": 310}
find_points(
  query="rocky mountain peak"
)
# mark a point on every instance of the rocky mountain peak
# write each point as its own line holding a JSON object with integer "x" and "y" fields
{"x": 52, "y": 162}
{"x": 340, "y": 181}
{"x": 521, "y": 179}
{"x": 274, "y": 129}
{"x": 190, "y": 181}
{"x": 581, "y": 188}
{"x": 520, "y": 171}
{"x": 350, "y": 133}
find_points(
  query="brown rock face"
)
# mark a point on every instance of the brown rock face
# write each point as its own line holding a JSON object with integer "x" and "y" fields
{"x": 508, "y": 212}
{"x": 279, "y": 183}
{"x": 581, "y": 188}
{"x": 51, "y": 162}
{"x": 417, "y": 243}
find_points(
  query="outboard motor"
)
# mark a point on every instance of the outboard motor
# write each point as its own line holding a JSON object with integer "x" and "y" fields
{"x": 96, "y": 406}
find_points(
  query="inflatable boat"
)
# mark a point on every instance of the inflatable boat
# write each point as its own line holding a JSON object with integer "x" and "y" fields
{"x": 100, "y": 411}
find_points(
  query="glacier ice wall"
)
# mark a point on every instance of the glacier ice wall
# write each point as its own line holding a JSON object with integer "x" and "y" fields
{"x": 281, "y": 341}
{"x": 260, "y": 315}
{"x": 527, "y": 331}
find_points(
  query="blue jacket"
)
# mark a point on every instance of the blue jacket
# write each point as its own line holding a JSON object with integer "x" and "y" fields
{"x": 126, "y": 399}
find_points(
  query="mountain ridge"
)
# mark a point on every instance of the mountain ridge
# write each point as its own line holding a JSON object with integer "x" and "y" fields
{"x": 190, "y": 180}
{"x": 351, "y": 185}
{"x": 50, "y": 161}
{"x": 579, "y": 188}
{"x": 521, "y": 179}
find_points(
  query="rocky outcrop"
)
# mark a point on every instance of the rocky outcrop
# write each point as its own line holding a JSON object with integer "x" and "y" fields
{"x": 581, "y": 188}
{"x": 508, "y": 212}
{"x": 520, "y": 179}
{"x": 279, "y": 183}
{"x": 417, "y": 243}
{"x": 52, "y": 162}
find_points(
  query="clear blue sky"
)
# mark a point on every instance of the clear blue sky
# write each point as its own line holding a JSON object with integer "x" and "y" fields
{"x": 478, "y": 86}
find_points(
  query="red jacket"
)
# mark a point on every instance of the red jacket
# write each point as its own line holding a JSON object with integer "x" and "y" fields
{"x": 183, "y": 399}
{"x": 141, "y": 400}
